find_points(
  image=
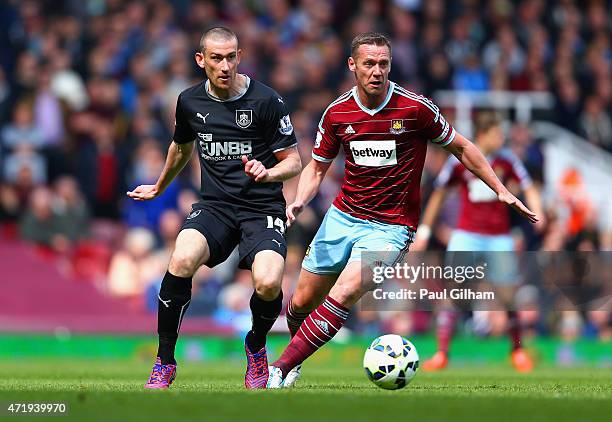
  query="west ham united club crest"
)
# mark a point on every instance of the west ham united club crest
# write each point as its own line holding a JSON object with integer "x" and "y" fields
{"x": 397, "y": 127}
{"x": 244, "y": 118}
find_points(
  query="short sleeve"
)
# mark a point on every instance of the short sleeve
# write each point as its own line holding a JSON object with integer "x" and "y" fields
{"x": 519, "y": 172}
{"x": 279, "y": 130}
{"x": 326, "y": 144}
{"x": 183, "y": 133}
{"x": 435, "y": 127}
{"x": 450, "y": 173}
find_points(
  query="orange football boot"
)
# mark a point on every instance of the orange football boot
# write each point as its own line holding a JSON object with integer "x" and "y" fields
{"x": 521, "y": 361}
{"x": 437, "y": 362}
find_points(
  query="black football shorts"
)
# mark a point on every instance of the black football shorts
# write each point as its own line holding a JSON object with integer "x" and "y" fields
{"x": 224, "y": 226}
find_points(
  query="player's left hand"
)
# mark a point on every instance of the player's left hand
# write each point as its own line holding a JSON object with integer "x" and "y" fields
{"x": 255, "y": 169}
{"x": 514, "y": 202}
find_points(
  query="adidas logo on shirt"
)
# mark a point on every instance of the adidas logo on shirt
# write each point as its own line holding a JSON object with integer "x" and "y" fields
{"x": 322, "y": 325}
{"x": 349, "y": 129}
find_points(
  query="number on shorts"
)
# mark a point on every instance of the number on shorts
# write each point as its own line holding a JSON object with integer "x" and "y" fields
{"x": 276, "y": 222}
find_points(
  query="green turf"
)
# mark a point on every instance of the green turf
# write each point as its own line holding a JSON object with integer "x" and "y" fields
{"x": 112, "y": 390}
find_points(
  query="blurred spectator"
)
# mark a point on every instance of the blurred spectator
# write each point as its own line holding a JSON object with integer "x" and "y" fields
{"x": 600, "y": 321}
{"x": 9, "y": 203}
{"x": 234, "y": 303}
{"x": 576, "y": 202}
{"x": 568, "y": 108}
{"x": 5, "y": 96}
{"x": 504, "y": 49}
{"x": 595, "y": 123}
{"x": 48, "y": 113}
{"x": 148, "y": 163}
{"x": 42, "y": 225}
{"x": 67, "y": 84}
{"x": 470, "y": 75}
{"x": 129, "y": 271}
{"x": 403, "y": 25}
{"x": 460, "y": 47}
{"x": 100, "y": 169}
{"x": 205, "y": 292}
{"x": 26, "y": 73}
{"x": 72, "y": 208}
{"x": 22, "y": 131}
{"x": 522, "y": 143}
{"x": 25, "y": 165}
{"x": 169, "y": 226}
{"x": 439, "y": 74}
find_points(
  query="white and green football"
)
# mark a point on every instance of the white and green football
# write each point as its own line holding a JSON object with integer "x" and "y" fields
{"x": 391, "y": 362}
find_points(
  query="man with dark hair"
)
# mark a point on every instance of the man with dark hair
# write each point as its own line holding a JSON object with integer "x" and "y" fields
{"x": 383, "y": 130}
{"x": 247, "y": 148}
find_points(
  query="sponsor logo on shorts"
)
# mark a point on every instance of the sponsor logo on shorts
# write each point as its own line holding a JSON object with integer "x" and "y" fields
{"x": 374, "y": 153}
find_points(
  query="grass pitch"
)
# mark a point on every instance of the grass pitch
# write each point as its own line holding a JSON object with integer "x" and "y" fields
{"x": 112, "y": 390}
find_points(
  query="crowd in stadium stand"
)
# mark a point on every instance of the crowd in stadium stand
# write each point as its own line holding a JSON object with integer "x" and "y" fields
{"x": 87, "y": 97}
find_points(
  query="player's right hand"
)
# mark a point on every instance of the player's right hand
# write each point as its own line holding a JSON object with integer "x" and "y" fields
{"x": 255, "y": 169}
{"x": 144, "y": 193}
{"x": 514, "y": 202}
{"x": 293, "y": 210}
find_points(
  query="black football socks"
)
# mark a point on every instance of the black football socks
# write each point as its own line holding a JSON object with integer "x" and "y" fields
{"x": 264, "y": 315}
{"x": 173, "y": 301}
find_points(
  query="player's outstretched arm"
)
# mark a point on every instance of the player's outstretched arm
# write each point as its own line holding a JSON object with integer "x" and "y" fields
{"x": 178, "y": 156}
{"x": 471, "y": 157}
{"x": 289, "y": 165}
{"x": 308, "y": 186}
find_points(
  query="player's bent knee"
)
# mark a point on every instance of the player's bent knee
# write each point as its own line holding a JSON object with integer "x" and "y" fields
{"x": 349, "y": 297}
{"x": 183, "y": 264}
{"x": 267, "y": 287}
{"x": 267, "y": 274}
{"x": 347, "y": 293}
{"x": 303, "y": 303}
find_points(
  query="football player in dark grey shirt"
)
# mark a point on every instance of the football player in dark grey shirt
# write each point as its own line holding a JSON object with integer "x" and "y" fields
{"x": 246, "y": 147}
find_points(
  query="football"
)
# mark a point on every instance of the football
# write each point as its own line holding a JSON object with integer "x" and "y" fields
{"x": 391, "y": 362}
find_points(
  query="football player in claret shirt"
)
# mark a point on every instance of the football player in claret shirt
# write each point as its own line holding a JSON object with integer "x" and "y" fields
{"x": 383, "y": 130}
{"x": 247, "y": 148}
{"x": 483, "y": 226}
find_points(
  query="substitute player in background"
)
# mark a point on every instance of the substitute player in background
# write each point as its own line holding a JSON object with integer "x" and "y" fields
{"x": 483, "y": 225}
{"x": 383, "y": 130}
{"x": 246, "y": 147}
